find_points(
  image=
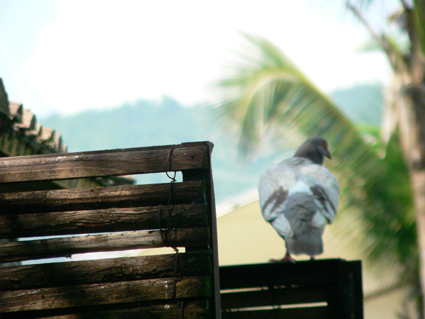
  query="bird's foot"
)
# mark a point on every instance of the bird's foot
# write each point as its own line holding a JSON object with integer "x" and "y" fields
{"x": 285, "y": 259}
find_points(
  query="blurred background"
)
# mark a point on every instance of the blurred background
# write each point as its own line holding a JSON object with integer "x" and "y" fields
{"x": 254, "y": 78}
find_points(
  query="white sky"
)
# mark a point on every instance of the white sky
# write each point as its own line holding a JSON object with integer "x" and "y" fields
{"x": 68, "y": 56}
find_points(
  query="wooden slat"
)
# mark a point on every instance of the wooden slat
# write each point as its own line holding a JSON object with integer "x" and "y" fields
{"x": 170, "y": 310}
{"x": 279, "y": 274}
{"x": 102, "y": 220}
{"x": 95, "y": 198}
{"x": 109, "y": 270}
{"x": 61, "y": 247}
{"x": 272, "y": 297}
{"x": 103, "y": 163}
{"x": 292, "y": 313}
{"x": 104, "y": 293}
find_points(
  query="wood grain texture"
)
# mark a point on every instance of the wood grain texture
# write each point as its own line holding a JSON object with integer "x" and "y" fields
{"x": 104, "y": 270}
{"x": 102, "y": 220}
{"x": 65, "y": 247}
{"x": 117, "y": 218}
{"x": 104, "y": 293}
{"x": 99, "y": 198}
{"x": 170, "y": 310}
{"x": 103, "y": 163}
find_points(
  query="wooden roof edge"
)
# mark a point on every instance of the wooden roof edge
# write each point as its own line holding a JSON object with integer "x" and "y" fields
{"x": 24, "y": 122}
{"x": 30, "y": 119}
{"x": 4, "y": 100}
{"x": 40, "y": 139}
{"x": 16, "y": 112}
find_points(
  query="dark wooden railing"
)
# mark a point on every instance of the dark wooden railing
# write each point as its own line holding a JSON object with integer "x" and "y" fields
{"x": 320, "y": 289}
{"x": 52, "y": 223}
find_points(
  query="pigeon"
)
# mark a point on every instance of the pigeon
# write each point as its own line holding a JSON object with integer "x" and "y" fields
{"x": 299, "y": 197}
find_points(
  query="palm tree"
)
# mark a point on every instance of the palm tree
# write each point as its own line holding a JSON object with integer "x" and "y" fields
{"x": 269, "y": 100}
{"x": 405, "y": 109}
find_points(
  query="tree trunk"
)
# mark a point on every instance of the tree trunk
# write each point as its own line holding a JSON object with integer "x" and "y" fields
{"x": 418, "y": 183}
{"x": 415, "y": 155}
{"x": 413, "y": 143}
{"x": 405, "y": 110}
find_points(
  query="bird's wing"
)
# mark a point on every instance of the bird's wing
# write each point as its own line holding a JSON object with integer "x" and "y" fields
{"x": 325, "y": 188}
{"x": 273, "y": 189}
{"x": 297, "y": 193}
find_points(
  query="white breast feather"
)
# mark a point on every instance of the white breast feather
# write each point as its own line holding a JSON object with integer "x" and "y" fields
{"x": 299, "y": 187}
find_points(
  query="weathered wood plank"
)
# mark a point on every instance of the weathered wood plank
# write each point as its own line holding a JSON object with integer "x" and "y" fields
{"x": 62, "y": 247}
{"x": 272, "y": 297}
{"x": 103, "y": 163}
{"x": 104, "y": 293}
{"x": 102, "y": 220}
{"x": 171, "y": 310}
{"x": 320, "y": 272}
{"x": 208, "y": 176}
{"x": 291, "y": 313}
{"x": 103, "y": 197}
{"x": 49, "y": 185}
{"x": 104, "y": 270}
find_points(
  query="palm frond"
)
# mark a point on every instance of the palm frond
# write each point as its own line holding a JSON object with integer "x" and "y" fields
{"x": 419, "y": 21}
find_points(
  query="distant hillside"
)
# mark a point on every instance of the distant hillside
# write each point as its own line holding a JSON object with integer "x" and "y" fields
{"x": 362, "y": 103}
{"x": 147, "y": 123}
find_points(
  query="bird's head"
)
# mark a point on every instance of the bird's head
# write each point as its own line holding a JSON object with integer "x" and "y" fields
{"x": 315, "y": 149}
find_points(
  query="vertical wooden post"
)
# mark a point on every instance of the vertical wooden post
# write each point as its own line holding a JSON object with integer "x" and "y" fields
{"x": 206, "y": 175}
{"x": 214, "y": 239}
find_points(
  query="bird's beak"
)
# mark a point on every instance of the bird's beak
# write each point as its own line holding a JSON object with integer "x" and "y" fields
{"x": 328, "y": 153}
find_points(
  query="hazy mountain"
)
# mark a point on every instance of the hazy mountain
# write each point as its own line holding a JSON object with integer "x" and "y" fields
{"x": 148, "y": 123}
{"x": 362, "y": 103}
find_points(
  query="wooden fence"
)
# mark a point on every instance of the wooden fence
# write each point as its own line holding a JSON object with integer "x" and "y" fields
{"x": 319, "y": 289}
{"x": 182, "y": 284}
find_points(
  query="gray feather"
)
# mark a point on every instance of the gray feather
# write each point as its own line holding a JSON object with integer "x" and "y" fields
{"x": 299, "y": 197}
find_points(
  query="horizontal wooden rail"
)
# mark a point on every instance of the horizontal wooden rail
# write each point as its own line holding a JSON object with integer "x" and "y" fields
{"x": 110, "y": 270}
{"x": 104, "y": 293}
{"x": 278, "y": 274}
{"x": 263, "y": 297}
{"x": 103, "y": 163}
{"x": 291, "y": 313}
{"x": 103, "y": 197}
{"x": 187, "y": 309}
{"x": 64, "y": 247}
{"x": 102, "y": 220}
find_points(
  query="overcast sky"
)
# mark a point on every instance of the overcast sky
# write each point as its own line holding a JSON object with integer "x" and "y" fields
{"x": 68, "y": 56}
